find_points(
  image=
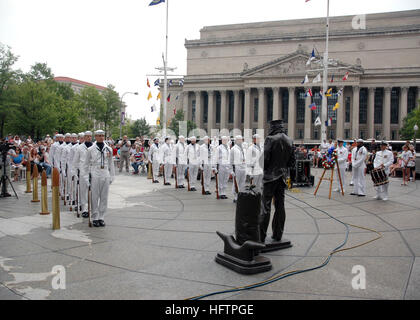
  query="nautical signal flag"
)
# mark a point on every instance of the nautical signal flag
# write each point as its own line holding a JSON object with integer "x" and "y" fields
{"x": 346, "y": 76}
{"x": 157, "y": 82}
{"x": 158, "y": 96}
{"x": 337, "y": 105}
{"x": 308, "y": 93}
{"x": 317, "y": 78}
{"x": 312, "y": 106}
{"x": 153, "y": 108}
{"x": 328, "y": 123}
{"x": 148, "y": 83}
{"x": 158, "y": 121}
{"x": 170, "y": 83}
{"x": 340, "y": 92}
{"x": 169, "y": 98}
{"x": 149, "y": 96}
{"x": 306, "y": 80}
{"x": 328, "y": 93}
{"x": 332, "y": 78}
{"x": 312, "y": 57}
{"x": 181, "y": 82}
{"x": 155, "y": 2}
{"x": 317, "y": 122}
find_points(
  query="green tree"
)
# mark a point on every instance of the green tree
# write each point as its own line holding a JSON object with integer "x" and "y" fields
{"x": 8, "y": 76}
{"x": 140, "y": 128}
{"x": 413, "y": 118}
{"x": 110, "y": 113}
{"x": 174, "y": 125}
{"x": 92, "y": 104}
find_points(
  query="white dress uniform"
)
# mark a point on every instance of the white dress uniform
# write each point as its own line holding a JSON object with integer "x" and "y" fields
{"x": 238, "y": 162}
{"x": 358, "y": 157}
{"x": 224, "y": 167}
{"x": 193, "y": 157}
{"x": 72, "y": 173}
{"x": 57, "y": 155}
{"x": 323, "y": 147}
{"x": 155, "y": 158}
{"x": 65, "y": 155}
{"x": 100, "y": 165}
{"x": 207, "y": 163}
{"x": 342, "y": 157}
{"x": 167, "y": 160}
{"x": 385, "y": 158}
{"x": 53, "y": 149}
{"x": 181, "y": 160}
{"x": 255, "y": 163}
{"x": 79, "y": 158}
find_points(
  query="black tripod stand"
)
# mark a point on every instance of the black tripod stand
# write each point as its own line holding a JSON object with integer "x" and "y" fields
{"x": 4, "y": 179}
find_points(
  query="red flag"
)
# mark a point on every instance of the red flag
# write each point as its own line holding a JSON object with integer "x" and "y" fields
{"x": 169, "y": 98}
{"x": 346, "y": 76}
{"x": 148, "y": 83}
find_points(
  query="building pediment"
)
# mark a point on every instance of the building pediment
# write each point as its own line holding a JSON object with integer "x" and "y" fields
{"x": 294, "y": 64}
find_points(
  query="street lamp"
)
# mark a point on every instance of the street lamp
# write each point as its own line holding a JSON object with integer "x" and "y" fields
{"x": 121, "y": 102}
{"x": 416, "y": 128}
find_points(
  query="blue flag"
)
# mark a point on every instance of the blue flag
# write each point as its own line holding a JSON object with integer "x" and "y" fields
{"x": 157, "y": 82}
{"x": 155, "y": 2}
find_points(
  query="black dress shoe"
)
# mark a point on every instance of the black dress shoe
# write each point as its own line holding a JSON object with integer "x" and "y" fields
{"x": 102, "y": 223}
{"x": 96, "y": 223}
{"x": 155, "y": 181}
{"x": 193, "y": 189}
{"x": 85, "y": 215}
{"x": 181, "y": 187}
{"x": 223, "y": 197}
{"x": 353, "y": 194}
{"x": 208, "y": 193}
{"x": 167, "y": 184}
{"x": 361, "y": 195}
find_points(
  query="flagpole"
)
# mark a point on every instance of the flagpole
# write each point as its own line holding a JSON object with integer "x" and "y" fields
{"x": 324, "y": 108}
{"x": 165, "y": 66}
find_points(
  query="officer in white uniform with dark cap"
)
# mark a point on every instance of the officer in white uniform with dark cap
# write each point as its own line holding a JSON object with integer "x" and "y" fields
{"x": 167, "y": 160}
{"x": 155, "y": 158}
{"x": 342, "y": 157}
{"x": 181, "y": 160}
{"x": 358, "y": 156}
{"x": 79, "y": 157}
{"x": 238, "y": 162}
{"x": 99, "y": 163}
{"x": 193, "y": 157}
{"x": 224, "y": 167}
{"x": 383, "y": 159}
{"x": 207, "y": 163}
{"x": 255, "y": 162}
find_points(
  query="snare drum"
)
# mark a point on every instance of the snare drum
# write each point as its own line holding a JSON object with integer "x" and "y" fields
{"x": 379, "y": 177}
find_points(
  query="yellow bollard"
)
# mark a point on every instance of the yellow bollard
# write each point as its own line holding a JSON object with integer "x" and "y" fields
{"x": 44, "y": 200}
{"x": 28, "y": 177}
{"x": 55, "y": 199}
{"x": 149, "y": 171}
{"x": 35, "y": 184}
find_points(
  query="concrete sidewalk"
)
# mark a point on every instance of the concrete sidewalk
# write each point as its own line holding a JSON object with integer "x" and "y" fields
{"x": 160, "y": 243}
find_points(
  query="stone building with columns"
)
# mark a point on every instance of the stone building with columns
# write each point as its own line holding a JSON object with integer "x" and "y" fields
{"x": 244, "y": 75}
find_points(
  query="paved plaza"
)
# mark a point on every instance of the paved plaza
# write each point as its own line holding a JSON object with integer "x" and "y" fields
{"x": 160, "y": 243}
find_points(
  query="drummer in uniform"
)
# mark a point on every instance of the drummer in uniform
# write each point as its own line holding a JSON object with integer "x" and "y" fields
{"x": 383, "y": 160}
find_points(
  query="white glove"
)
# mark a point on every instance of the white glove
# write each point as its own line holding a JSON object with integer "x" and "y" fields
{"x": 232, "y": 173}
{"x": 215, "y": 171}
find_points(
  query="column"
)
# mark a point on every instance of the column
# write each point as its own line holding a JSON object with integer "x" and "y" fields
{"x": 403, "y": 105}
{"x": 262, "y": 108}
{"x": 340, "y": 117}
{"x": 211, "y": 118}
{"x": 355, "y": 113}
{"x": 223, "y": 109}
{"x": 276, "y": 103}
{"x": 247, "y": 117}
{"x": 386, "y": 120}
{"x": 417, "y": 98}
{"x": 198, "y": 110}
{"x": 371, "y": 113}
{"x": 292, "y": 113}
{"x": 236, "y": 110}
{"x": 186, "y": 105}
{"x": 308, "y": 119}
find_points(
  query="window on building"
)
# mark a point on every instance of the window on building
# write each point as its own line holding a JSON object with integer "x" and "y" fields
{"x": 255, "y": 109}
{"x": 393, "y": 135}
{"x": 218, "y": 106}
{"x": 347, "y": 134}
{"x": 300, "y": 134}
{"x": 395, "y": 103}
{"x": 285, "y": 104}
{"x": 379, "y": 98}
{"x": 332, "y": 134}
{"x": 362, "y": 135}
{"x": 347, "y": 110}
{"x": 363, "y": 105}
{"x": 193, "y": 110}
{"x": 316, "y": 134}
{"x": 300, "y": 107}
{"x": 331, "y": 104}
{"x": 205, "y": 107}
{"x": 231, "y": 100}
{"x": 269, "y": 105}
{"x": 411, "y": 100}
{"x": 242, "y": 106}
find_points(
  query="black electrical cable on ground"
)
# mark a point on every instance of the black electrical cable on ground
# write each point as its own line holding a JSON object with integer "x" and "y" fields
{"x": 294, "y": 272}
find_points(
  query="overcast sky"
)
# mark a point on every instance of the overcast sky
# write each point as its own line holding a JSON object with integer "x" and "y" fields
{"x": 119, "y": 42}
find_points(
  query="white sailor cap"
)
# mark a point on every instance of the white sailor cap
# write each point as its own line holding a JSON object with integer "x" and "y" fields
{"x": 68, "y": 135}
{"x": 193, "y": 138}
{"x": 99, "y": 133}
{"x": 81, "y": 134}
{"x": 181, "y": 137}
{"x": 239, "y": 137}
{"x": 73, "y": 135}
{"x": 256, "y": 136}
{"x": 155, "y": 138}
{"x": 88, "y": 133}
{"x": 206, "y": 138}
{"x": 359, "y": 141}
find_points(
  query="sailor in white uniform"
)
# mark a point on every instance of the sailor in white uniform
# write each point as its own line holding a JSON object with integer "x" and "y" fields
{"x": 207, "y": 162}
{"x": 358, "y": 157}
{"x": 166, "y": 151}
{"x": 255, "y": 162}
{"x": 383, "y": 159}
{"x": 224, "y": 167}
{"x": 155, "y": 158}
{"x": 181, "y": 161}
{"x": 238, "y": 162}
{"x": 342, "y": 157}
{"x": 193, "y": 157}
